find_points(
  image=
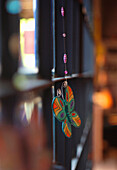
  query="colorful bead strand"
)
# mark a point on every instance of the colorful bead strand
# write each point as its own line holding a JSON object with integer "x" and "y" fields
{"x": 64, "y": 36}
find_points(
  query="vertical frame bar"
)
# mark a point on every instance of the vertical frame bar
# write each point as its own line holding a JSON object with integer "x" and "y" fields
{"x": 45, "y": 38}
{"x": 9, "y": 42}
{"x": 81, "y": 41}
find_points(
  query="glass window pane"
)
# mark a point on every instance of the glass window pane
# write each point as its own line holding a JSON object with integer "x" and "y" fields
{"x": 28, "y": 61}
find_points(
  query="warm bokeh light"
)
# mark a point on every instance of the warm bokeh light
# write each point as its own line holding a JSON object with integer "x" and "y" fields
{"x": 103, "y": 98}
{"x": 100, "y": 60}
{"x": 27, "y": 8}
{"x": 102, "y": 78}
{"x": 112, "y": 119}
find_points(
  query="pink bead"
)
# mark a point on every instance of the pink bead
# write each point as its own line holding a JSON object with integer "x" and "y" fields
{"x": 66, "y": 71}
{"x": 62, "y": 11}
{"x": 64, "y": 35}
{"x": 65, "y": 58}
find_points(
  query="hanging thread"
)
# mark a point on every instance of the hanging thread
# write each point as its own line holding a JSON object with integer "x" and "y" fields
{"x": 64, "y": 40}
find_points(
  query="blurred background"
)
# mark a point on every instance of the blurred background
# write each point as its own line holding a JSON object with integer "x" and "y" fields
{"x": 31, "y": 71}
{"x": 106, "y": 48}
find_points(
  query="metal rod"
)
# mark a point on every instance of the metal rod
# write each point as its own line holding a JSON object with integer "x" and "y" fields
{"x": 53, "y": 27}
{"x": 53, "y": 74}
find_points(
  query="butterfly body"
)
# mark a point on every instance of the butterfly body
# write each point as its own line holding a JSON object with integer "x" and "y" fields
{"x": 63, "y": 110}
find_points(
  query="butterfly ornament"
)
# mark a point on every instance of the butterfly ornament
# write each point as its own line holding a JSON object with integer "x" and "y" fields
{"x": 63, "y": 109}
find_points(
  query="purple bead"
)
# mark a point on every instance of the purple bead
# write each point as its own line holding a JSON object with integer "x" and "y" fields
{"x": 66, "y": 71}
{"x": 62, "y": 11}
{"x": 64, "y": 35}
{"x": 65, "y": 58}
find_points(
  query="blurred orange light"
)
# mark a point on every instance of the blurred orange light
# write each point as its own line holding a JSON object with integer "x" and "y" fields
{"x": 100, "y": 60}
{"x": 102, "y": 78}
{"x": 112, "y": 119}
{"x": 103, "y": 98}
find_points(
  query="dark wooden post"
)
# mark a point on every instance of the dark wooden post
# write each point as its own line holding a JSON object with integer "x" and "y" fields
{"x": 9, "y": 34}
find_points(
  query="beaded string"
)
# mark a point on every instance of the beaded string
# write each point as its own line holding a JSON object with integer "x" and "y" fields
{"x": 64, "y": 40}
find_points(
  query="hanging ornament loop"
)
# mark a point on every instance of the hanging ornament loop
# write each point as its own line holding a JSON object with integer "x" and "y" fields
{"x": 59, "y": 93}
{"x": 65, "y": 83}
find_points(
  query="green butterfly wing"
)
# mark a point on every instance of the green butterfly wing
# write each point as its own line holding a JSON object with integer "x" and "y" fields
{"x": 69, "y": 98}
{"x": 58, "y": 108}
{"x": 73, "y": 117}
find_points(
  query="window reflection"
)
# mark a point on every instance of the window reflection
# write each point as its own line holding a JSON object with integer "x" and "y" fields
{"x": 28, "y": 61}
{"x": 30, "y": 112}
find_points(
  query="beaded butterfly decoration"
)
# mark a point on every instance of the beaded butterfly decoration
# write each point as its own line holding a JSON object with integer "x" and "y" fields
{"x": 63, "y": 104}
{"x": 63, "y": 109}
